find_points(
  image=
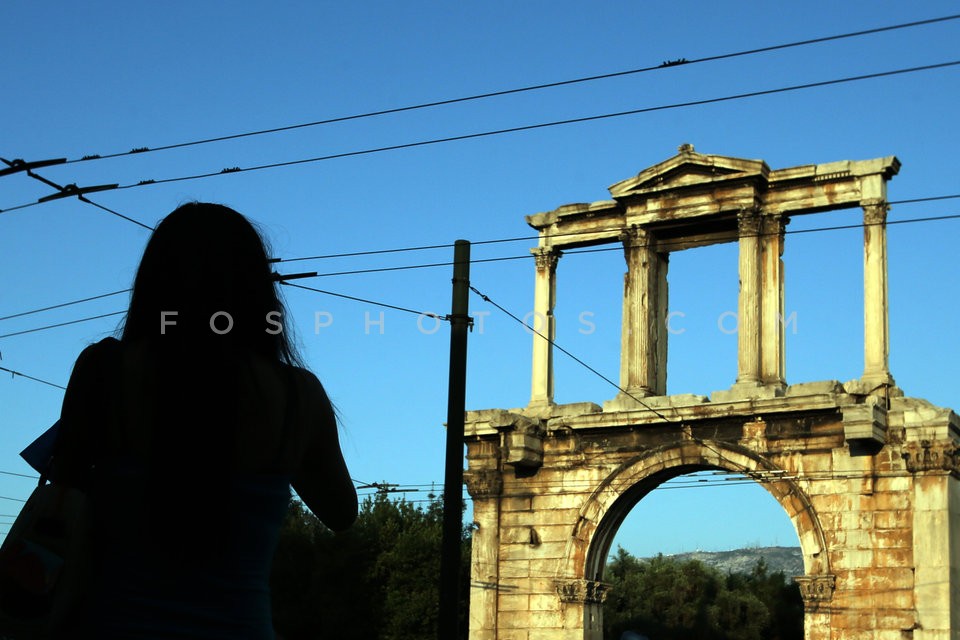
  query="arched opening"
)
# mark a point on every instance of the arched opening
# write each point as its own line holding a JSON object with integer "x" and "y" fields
{"x": 700, "y": 579}
{"x": 610, "y": 505}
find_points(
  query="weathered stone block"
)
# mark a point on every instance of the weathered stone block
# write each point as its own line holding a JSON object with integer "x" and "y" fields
{"x": 510, "y": 602}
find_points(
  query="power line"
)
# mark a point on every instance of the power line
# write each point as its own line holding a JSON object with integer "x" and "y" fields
{"x": 535, "y": 87}
{"x": 61, "y": 324}
{"x": 20, "y": 475}
{"x": 531, "y": 127}
{"x": 544, "y": 125}
{"x": 70, "y": 190}
{"x": 373, "y": 302}
{"x": 65, "y": 304}
{"x": 23, "y": 375}
{"x": 663, "y": 244}
{"x": 480, "y": 260}
{"x": 116, "y": 213}
{"x": 533, "y": 238}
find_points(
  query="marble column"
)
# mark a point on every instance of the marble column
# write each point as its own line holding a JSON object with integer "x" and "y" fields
{"x": 876, "y": 327}
{"x": 772, "y": 328}
{"x": 544, "y": 324}
{"x": 643, "y": 338}
{"x": 749, "y": 304}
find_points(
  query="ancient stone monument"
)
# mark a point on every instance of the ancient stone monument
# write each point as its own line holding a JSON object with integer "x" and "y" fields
{"x": 868, "y": 477}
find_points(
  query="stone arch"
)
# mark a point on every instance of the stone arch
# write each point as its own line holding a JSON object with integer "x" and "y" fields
{"x": 604, "y": 511}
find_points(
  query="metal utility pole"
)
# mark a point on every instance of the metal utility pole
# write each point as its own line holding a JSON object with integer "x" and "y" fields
{"x": 453, "y": 476}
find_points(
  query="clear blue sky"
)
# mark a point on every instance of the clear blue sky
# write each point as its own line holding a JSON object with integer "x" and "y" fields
{"x": 105, "y": 77}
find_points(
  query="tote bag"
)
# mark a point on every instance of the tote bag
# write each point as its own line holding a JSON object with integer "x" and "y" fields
{"x": 44, "y": 562}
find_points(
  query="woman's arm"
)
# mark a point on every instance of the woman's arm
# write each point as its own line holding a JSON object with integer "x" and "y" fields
{"x": 322, "y": 480}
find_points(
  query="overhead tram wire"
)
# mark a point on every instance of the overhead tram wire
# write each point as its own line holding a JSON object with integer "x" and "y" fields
{"x": 64, "y": 304}
{"x": 664, "y": 244}
{"x": 373, "y": 302}
{"x": 543, "y": 125}
{"x": 534, "y": 238}
{"x": 15, "y": 374}
{"x": 667, "y": 64}
{"x": 70, "y": 190}
{"x": 61, "y": 324}
{"x": 530, "y": 127}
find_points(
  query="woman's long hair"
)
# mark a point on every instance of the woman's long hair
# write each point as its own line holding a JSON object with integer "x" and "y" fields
{"x": 205, "y": 270}
{"x": 203, "y": 301}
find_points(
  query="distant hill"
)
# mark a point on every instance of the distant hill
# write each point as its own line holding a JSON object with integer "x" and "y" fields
{"x": 786, "y": 559}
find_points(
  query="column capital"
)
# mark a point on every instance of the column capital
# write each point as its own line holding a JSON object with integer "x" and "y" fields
{"x": 774, "y": 223}
{"x": 816, "y": 590}
{"x": 582, "y": 591}
{"x": 875, "y": 211}
{"x": 483, "y": 483}
{"x": 636, "y": 237}
{"x": 546, "y": 257}
{"x": 749, "y": 221}
{"x": 928, "y": 455}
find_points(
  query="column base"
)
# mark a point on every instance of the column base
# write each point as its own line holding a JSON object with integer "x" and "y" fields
{"x": 870, "y": 383}
{"x": 624, "y": 402}
{"x": 541, "y": 406}
{"x": 748, "y": 391}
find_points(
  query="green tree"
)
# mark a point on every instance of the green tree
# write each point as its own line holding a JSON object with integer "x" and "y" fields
{"x": 377, "y": 580}
{"x": 671, "y": 599}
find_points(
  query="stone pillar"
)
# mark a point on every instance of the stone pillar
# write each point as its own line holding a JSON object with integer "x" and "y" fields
{"x": 582, "y": 603}
{"x": 772, "y": 328}
{"x": 876, "y": 327}
{"x": 643, "y": 337}
{"x": 544, "y": 323}
{"x": 935, "y": 465}
{"x": 485, "y": 487}
{"x": 817, "y": 594}
{"x": 749, "y": 305}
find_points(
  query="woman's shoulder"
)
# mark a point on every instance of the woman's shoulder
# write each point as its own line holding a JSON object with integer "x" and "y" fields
{"x": 303, "y": 378}
{"x": 309, "y": 391}
{"x": 97, "y": 356}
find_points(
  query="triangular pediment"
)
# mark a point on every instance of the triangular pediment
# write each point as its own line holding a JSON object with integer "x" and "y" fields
{"x": 687, "y": 169}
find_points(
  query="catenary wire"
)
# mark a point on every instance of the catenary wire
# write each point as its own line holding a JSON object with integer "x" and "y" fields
{"x": 116, "y": 213}
{"x": 543, "y": 125}
{"x": 64, "y": 304}
{"x": 73, "y": 190}
{"x": 531, "y": 127}
{"x": 517, "y": 238}
{"x": 23, "y": 375}
{"x": 534, "y": 238}
{"x": 485, "y": 242}
{"x": 20, "y": 475}
{"x": 61, "y": 324}
{"x": 663, "y": 244}
{"x": 373, "y": 302}
{"x": 535, "y": 87}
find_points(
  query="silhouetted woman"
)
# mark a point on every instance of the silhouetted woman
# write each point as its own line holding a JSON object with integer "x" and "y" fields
{"x": 196, "y": 422}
